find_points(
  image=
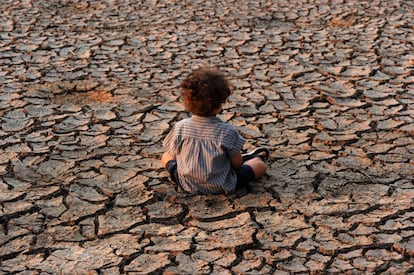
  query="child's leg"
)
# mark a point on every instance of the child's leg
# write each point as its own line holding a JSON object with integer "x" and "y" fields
{"x": 258, "y": 166}
{"x": 249, "y": 171}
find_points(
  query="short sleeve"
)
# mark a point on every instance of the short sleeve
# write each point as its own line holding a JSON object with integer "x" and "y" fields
{"x": 170, "y": 142}
{"x": 233, "y": 142}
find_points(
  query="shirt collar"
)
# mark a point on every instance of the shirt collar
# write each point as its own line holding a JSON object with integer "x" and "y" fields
{"x": 205, "y": 118}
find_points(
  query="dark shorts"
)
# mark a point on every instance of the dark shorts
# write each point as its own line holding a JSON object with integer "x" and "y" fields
{"x": 245, "y": 174}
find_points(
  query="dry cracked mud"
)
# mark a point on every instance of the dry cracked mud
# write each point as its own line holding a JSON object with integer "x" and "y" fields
{"x": 88, "y": 90}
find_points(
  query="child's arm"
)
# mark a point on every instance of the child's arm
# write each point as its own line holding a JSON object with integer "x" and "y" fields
{"x": 166, "y": 157}
{"x": 236, "y": 161}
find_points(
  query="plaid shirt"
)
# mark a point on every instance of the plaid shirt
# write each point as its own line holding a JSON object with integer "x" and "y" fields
{"x": 203, "y": 147}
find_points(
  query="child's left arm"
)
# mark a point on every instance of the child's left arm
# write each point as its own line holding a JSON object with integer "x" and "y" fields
{"x": 169, "y": 145}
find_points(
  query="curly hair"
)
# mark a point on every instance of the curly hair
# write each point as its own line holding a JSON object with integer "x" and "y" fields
{"x": 204, "y": 90}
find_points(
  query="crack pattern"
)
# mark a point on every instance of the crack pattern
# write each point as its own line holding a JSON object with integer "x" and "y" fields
{"x": 88, "y": 90}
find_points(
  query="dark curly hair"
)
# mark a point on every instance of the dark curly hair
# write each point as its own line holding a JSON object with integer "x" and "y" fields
{"x": 204, "y": 90}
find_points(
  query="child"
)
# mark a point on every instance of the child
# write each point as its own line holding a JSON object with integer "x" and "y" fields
{"x": 203, "y": 153}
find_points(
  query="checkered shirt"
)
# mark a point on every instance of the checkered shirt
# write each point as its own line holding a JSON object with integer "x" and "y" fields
{"x": 203, "y": 147}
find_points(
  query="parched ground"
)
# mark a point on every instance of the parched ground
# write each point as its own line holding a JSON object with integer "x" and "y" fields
{"x": 88, "y": 90}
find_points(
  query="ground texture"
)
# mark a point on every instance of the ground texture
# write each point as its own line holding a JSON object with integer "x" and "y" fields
{"x": 88, "y": 90}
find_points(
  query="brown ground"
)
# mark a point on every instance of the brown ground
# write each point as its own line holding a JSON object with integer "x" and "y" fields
{"x": 88, "y": 90}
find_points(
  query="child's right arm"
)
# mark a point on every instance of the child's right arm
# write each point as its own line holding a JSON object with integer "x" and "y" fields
{"x": 236, "y": 161}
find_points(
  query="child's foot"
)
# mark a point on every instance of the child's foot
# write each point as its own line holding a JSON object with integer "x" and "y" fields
{"x": 261, "y": 152}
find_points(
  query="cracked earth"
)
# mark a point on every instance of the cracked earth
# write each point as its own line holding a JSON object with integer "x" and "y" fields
{"x": 88, "y": 90}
